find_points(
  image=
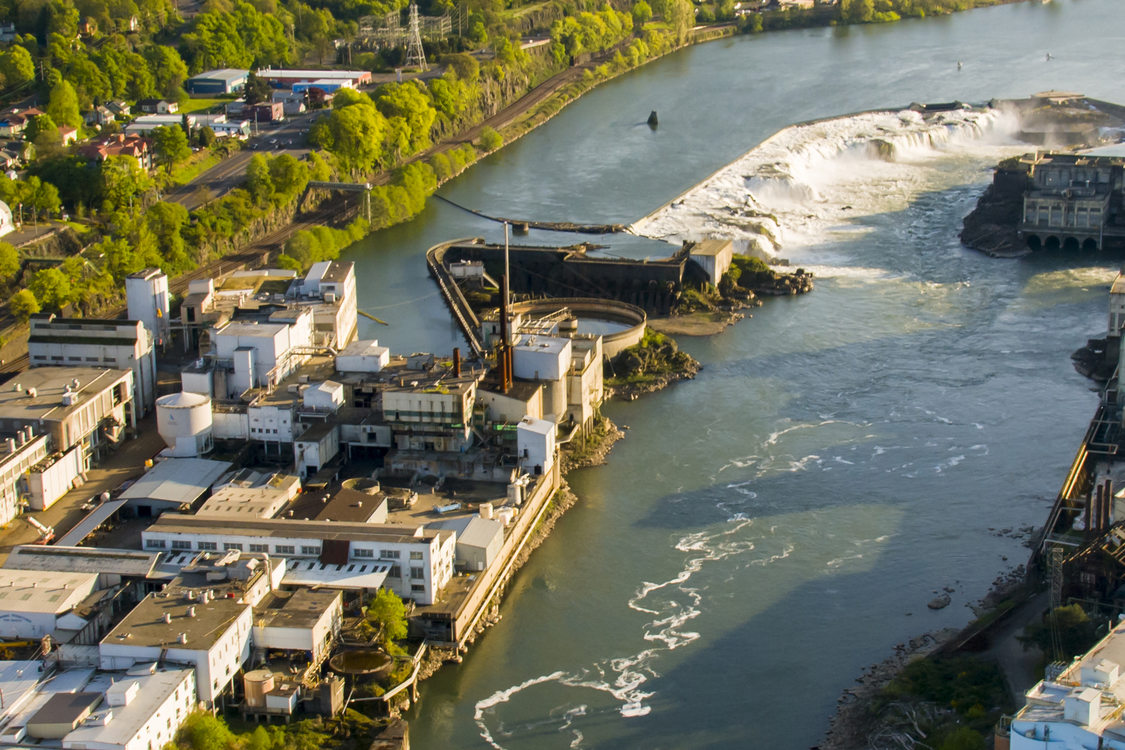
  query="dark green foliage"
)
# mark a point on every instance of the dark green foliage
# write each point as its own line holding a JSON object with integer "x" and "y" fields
{"x": 1063, "y": 633}
{"x": 656, "y": 354}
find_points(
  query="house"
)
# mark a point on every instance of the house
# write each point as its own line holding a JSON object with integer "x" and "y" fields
{"x": 119, "y": 108}
{"x": 98, "y": 116}
{"x": 68, "y": 134}
{"x": 158, "y": 106}
{"x": 7, "y": 225}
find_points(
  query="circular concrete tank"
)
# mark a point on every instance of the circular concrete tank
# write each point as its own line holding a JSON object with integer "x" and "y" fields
{"x": 184, "y": 421}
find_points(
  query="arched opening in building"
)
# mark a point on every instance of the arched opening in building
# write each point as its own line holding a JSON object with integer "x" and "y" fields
{"x": 1034, "y": 242}
{"x": 1089, "y": 244}
{"x": 1071, "y": 244}
{"x": 1052, "y": 243}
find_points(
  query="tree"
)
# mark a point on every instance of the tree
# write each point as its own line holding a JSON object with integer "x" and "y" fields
{"x": 642, "y": 14}
{"x": 1069, "y": 627}
{"x": 490, "y": 140}
{"x": 17, "y": 66}
{"x": 62, "y": 106}
{"x": 23, "y": 305}
{"x": 168, "y": 69}
{"x": 257, "y": 89}
{"x": 258, "y": 180}
{"x": 388, "y": 613}
{"x": 202, "y": 731}
{"x": 51, "y": 287}
{"x": 170, "y": 146}
{"x": 39, "y": 125}
{"x": 9, "y": 262}
{"x": 122, "y": 178}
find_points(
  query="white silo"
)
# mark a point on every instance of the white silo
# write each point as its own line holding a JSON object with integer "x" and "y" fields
{"x": 184, "y": 421}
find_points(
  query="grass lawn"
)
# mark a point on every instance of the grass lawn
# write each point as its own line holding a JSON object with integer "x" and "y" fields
{"x": 192, "y": 106}
{"x": 199, "y": 163}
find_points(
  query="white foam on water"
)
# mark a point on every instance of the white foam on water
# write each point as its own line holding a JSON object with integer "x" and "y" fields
{"x": 671, "y": 605}
{"x": 809, "y": 182}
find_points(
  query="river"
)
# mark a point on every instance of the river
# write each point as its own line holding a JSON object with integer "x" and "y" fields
{"x": 770, "y": 528}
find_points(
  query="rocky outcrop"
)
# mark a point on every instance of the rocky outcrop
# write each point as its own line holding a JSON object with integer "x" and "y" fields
{"x": 991, "y": 227}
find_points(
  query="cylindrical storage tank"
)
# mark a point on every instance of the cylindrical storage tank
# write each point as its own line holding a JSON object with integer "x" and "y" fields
{"x": 255, "y": 685}
{"x": 184, "y": 421}
{"x": 486, "y": 511}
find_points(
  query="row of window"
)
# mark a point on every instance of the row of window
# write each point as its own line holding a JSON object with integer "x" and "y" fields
{"x": 288, "y": 549}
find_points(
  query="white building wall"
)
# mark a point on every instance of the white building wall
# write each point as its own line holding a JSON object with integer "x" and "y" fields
{"x": 271, "y": 423}
{"x": 47, "y": 484}
{"x": 535, "y": 442}
{"x": 13, "y": 468}
{"x": 541, "y": 358}
{"x": 434, "y": 557}
{"x": 230, "y": 425}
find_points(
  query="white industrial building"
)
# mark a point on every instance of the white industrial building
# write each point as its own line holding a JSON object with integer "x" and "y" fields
{"x": 363, "y": 355}
{"x": 140, "y": 711}
{"x": 202, "y": 618}
{"x": 478, "y": 540}
{"x": 52, "y": 477}
{"x": 173, "y": 484}
{"x": 262, "y": 354}
{"x": 421, "y": 561}
{"x": 1081, "y": 707}
{"x": 185, "y": 423}
{"x": 304, "y": 620}
{"x": 317, "y": 445}
{"x": 713, "y": 257}
{"x": 535, "y": 445}
{"x": 545, "y": 359}
{"x": 35, "y": 603}
{"x": 251, "y": 494}
{"x": 17, "y": 456}
{"x": 81, "y": 406}
{"x": 91, "y": 342}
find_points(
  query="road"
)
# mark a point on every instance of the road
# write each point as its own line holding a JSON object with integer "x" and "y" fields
{"x": 289, "y": 136}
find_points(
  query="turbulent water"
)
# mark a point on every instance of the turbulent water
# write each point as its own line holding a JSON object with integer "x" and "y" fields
{"x": 808, "y": 178}
{"x": 768, "y": 529}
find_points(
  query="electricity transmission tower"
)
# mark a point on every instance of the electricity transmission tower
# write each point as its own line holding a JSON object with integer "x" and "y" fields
{"x": 415, "y": 55}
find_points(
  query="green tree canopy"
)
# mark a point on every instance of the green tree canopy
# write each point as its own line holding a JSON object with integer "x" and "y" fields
{"x": 62, "y": 106}
{"x": 23, "y": 305}
{"x": 16, "y": 66}
{"x": 170, "y": 145}
{"x": 51, "y": 287}
{"x": 388, "y": 613}
{"x": 9, "y": 262}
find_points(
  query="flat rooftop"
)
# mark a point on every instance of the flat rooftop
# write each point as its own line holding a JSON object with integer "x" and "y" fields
{"x": 286, "y": 528}
{"x": 200, "y": 623}
{"x": 180, "y": 480}
{"x": 153, "y": 690}
{"x": 53, "y": 558}
{"x": 49, "y": 384}
{"x": 43, "y": 591}
{"x": 302, "y": 609}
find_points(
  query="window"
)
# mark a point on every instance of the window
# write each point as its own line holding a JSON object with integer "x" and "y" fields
{"x": 395, "y": 572}
{"x": 259, "y": 548}
{"x": 208, "y": 545}
{"x": 232, "y": 545}
{"x": 415, "y": 555}
{"x": 388, "y": 554}
{"x": 361, "y": 552}
{"x": 284, "y": 549}
{"x": 417, "y": 572}
{"x": 417, "y": 587}
{"x": 309, "y": 550}
{"x": 181, "y": 544}
{"x": 154, "y": 543}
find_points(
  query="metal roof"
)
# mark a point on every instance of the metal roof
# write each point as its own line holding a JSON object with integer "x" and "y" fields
{"x": 69, "y": 559}
{"x": 93, "y": 520}
{"x": 178, "y": 480}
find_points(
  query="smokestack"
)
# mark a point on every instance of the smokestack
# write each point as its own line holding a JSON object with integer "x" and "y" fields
{"x": 1090, "y": 511}
{"x": 1107, "y": 504}
{"x": 504, "y": 355}
{"x": 456, "y": 361}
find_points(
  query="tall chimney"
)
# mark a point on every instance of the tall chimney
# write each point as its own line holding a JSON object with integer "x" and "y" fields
{"x": 504, "y": 355}
{"x": 1090, "y": 510}
{"x": 456, "y": 361}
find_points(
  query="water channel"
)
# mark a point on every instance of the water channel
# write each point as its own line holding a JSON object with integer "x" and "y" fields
{"x": 770, "y": 528}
